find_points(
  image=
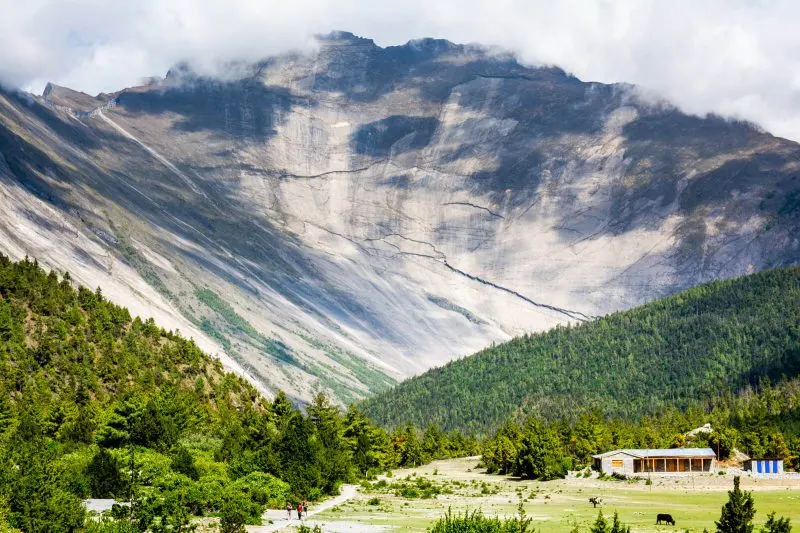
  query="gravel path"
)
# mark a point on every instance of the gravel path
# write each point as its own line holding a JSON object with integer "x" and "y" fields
{"x": 279, "y": 520}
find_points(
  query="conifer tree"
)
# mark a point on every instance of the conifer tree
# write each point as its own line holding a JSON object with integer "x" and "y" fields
{"x": 619, "y": 527}
{"x": 104, "y": 476}
{"x": 411, "y": 454}
{"x": 776, "y": 524}
{"x": 600, "y": 525}
{"x": 183, "y": 462}
{"x": 738, "y": 512}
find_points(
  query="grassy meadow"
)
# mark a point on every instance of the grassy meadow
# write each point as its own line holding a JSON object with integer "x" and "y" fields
{"x": 399, "y": 504}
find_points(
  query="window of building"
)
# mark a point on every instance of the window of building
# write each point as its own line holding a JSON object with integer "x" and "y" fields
{"x": 616, "y": 463}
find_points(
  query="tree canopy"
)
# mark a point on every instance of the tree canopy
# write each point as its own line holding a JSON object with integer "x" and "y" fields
{"x": 95, "y": 403}
{"x": 686, "y": 350}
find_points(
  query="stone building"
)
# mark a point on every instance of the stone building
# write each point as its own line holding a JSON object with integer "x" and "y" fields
{"x": 631, "y": 462}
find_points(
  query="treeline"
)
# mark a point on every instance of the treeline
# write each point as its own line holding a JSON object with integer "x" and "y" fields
{"x": 698, "y": 345}
{"x": 762, "y": 421}
{"x": 96, "y": 404}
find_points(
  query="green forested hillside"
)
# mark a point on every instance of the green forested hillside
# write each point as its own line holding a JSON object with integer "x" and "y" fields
{"x": 96, "y": 404}
{"x": 684, "y": 350}
{"x": 760, "y": 421}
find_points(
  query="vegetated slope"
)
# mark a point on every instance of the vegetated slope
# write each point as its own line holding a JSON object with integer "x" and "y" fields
{"x": 683, "y": 350}
{"x": 342, "y": 219}
{"x": 72, "y": 350}
{"x": 89, "y": 395}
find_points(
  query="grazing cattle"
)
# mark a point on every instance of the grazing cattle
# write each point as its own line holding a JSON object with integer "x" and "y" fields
{"x": 595, "y": 501}
{"x": 665, "y": 518}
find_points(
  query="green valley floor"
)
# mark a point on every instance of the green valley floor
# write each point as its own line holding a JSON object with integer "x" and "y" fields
{"x": 555, "y": 506}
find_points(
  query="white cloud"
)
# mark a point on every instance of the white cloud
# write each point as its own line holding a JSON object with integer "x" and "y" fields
{"x": 734, "y": 57}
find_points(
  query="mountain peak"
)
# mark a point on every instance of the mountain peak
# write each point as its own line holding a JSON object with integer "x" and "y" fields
{"x": 64, "y": 96}
{"x": 340, "y": 37}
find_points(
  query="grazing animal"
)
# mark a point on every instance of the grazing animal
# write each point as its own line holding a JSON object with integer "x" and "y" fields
{"x": 594, "y": 500}
{"x": 665, "y": 518}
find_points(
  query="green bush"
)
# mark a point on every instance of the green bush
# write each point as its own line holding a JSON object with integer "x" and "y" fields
{"x": 475, "y": 521}
{"x": 263, "y": 489}
{"x": 235, "y": 513}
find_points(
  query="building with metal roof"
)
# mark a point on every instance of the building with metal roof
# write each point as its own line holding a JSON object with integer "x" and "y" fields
{"x": 631, "y": 461}
{"x": 764, "y": 466}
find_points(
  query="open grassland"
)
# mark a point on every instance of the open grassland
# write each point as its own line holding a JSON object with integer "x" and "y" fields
{"x": 400, "y": 501}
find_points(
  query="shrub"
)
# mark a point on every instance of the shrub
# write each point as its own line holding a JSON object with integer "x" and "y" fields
{"x": 233, "y": 515}
{"x": 475, "y": 521}
{"x": 263, "y": 489}
{"x": 409, "y": 491}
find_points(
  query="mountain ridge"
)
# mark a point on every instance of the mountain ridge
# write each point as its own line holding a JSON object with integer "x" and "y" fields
{"x": 361, "y": 214}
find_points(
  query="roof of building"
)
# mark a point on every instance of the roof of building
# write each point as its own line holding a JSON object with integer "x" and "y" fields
{"x": 660, "y": 452}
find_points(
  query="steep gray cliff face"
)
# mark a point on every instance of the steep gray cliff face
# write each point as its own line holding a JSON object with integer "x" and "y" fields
{"x": 341, "y": 220}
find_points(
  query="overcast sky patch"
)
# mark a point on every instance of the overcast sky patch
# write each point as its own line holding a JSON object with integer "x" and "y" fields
{"x": 734, "y": 57}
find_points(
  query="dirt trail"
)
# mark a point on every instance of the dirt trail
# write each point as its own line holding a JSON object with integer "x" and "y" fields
{"x": 279, "y": 520}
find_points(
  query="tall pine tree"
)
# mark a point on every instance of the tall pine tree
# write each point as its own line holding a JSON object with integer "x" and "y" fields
{"x": 737, "y": 514}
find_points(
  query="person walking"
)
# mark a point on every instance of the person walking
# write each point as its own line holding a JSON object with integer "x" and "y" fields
{"x": 305, "y": 508}
{"x": 300, "y": 511}
{"x": 289, "y": 507}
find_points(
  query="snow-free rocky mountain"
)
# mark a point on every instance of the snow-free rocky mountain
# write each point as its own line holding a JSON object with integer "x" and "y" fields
{"x": 343, "y": 219}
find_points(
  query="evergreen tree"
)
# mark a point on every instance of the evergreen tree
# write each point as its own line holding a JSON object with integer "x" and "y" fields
{"x": 776, "y": 524}
{"x": 433, "y": 442}
{"x": 104, "y": 475}
{"x": 183, "y": 462}
{"x": 366, "y": 442}
{"x": 334, "y": 455}
{"x": 738, "y": 512}
{"x": 540, "y": 455}
{"x": 300, "y": 452}
{"x": 411, "y": 454}
{"x": 600, "y": 524}
{"x": 619, "y": 527}
{"x": 76, "y": 371}
{"x": 36, "y": 501}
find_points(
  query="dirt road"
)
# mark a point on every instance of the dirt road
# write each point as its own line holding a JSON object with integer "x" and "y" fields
{"x": 279, "y": 520}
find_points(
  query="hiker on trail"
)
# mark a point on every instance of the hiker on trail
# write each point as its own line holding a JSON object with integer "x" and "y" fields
{"x": 305, "y": 508}
{"x": 289, "y": 510}
{"x": 300, "y": 511}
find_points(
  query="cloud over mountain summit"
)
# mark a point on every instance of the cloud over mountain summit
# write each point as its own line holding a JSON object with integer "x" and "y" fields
{"x": 734, "y": 58}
